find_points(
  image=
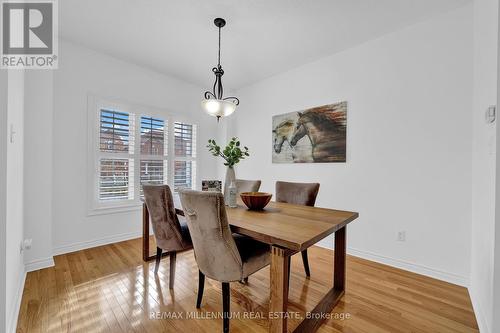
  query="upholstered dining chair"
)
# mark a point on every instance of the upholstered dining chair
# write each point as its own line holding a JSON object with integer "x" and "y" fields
{"x": 220, "y": 255}
{"x": 243, "y": 185}
{"x": 169, "y": 226}
{"x": 299, "y": 194}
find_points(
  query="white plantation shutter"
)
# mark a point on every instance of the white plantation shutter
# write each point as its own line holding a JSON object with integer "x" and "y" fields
{"x": 132, "y": 146}
{"x": 153, "y": 172}
{"x": 154, "y": 150}
{"x": 183, "y": 177}
{"x": 116, "y": 165}
{"x": 185, "y": 155}
{"x": 153, "y": 136}
{"x": 114, "y": 179}
{"x": 185, "y": 139}
{"x": 114, "y": 131}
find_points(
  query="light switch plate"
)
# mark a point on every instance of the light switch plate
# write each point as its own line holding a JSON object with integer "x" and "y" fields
{"x": 12, "y": 133}
{"x": 490, "y": 114}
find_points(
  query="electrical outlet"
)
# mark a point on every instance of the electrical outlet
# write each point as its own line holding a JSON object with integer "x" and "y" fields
{"x": 402, "y": 236}
{"x": 26, "y": 244}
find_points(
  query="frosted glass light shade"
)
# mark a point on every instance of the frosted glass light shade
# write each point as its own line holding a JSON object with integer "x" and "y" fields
{"x": 218, "y": 107}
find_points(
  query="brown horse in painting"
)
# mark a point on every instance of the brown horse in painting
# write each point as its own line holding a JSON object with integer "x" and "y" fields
{"x": 326, "y": 128}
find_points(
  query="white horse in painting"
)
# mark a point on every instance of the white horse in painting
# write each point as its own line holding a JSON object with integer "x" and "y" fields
{"x": 283, "y": 133}
{"x": 282, "y": 146}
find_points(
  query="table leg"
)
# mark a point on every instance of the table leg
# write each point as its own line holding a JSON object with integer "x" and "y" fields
{"x": 145, "y": 233}
{"x": 339, "y": 260}
{"x": 333, "y": 296}
{"x": 279, "y": 290}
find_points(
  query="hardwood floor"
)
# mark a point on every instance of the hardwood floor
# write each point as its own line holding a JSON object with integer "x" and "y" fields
{"x": 110, "y": 289}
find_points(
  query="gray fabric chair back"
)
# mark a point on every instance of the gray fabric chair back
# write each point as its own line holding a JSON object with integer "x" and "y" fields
{"x": 166, "y": 227}
{"x": 297, "y": 193}
{"x": 215, "y": 249}
{"x": 243, "y": 185}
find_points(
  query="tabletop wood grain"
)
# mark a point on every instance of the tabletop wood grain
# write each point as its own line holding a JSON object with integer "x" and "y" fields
{"x": 290, "y": 226}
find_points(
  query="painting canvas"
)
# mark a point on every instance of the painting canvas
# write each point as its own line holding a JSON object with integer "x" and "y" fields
{"x": 211, "y": 185}
{"x": 315, "y": 135}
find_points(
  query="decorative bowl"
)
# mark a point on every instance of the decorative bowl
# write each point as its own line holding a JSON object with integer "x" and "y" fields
{"x": 256, "y": 200}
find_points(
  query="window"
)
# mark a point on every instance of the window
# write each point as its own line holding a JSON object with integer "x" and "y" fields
{"x": 114, "y": 131}
{"x": 153, "y": 136}
{"x": 114, "y": 179}
{"x": 116, "y": 176}
{"x": 185, "y": 155}
{"x": 154, "y": 151}
{"x": 125, "y": 156}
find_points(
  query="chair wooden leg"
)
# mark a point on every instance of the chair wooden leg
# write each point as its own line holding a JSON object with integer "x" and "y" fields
{"x": 158, "y": 258}
{"x": 173, "y": 257}
{"x": 201, "y": 287}
{"x": 305, "y": 260}
{"x": 245, "y": 280}
{"x": 226, "y": 300}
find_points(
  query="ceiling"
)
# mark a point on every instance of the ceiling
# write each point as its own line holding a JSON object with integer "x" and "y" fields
{"x": 261, "y": 38}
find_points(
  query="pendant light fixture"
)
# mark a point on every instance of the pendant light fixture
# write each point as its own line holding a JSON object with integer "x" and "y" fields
{"x": 214, "y": 103}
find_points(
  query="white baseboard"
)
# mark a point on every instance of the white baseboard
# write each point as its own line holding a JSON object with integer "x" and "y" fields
{"x": 14, "y": 314}
{"x": 39, "y": 264}
{"x": 481, "y": 320}
{"x": 94, "y": 243}
{"x": 408, "y": 266}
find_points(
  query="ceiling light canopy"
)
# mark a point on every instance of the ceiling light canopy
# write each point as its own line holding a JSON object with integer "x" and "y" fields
{"x": 214, "y": 103}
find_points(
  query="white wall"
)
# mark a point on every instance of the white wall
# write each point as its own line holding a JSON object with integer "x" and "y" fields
{"x": 83, "y": 71}
{"x": 496, "y": 272}
{"x": 483, "y": 186}
{"x": 409, "y": 142}
{"x": 3, "y": 193}
{"x": 38, "y": 129}
{"x": 14, "y": 204}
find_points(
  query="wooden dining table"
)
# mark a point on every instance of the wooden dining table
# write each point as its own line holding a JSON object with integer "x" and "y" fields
{"x": 289, "y": 229}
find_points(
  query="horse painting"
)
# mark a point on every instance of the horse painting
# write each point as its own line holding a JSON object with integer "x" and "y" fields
{"x": 282, "y": 133}
{"x": 315, "y": 135}
{"x": 282, "y": 148}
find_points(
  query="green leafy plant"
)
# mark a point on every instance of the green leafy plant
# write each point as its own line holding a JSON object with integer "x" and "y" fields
{"x": 232, "y": 154}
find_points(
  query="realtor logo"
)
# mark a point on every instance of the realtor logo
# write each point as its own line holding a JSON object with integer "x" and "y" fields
{"x": 29, "y": 37}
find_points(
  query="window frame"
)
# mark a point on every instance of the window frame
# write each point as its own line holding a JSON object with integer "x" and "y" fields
{"x": 94, "y": 154}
